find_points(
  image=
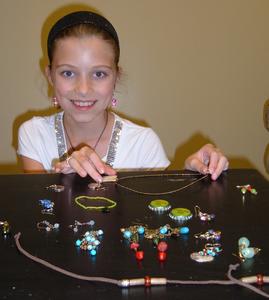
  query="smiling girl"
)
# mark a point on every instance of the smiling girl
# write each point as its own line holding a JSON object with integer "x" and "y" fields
{"x": 85, "y": 136}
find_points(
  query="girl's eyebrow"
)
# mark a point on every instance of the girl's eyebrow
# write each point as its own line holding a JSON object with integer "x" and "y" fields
{"x": 73, "y": 66}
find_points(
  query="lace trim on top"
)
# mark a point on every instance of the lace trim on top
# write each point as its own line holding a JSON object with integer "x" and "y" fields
{"x": 112, "y": 151}
{"x": 61, "y": 142}
{"x": 60, "y": 137}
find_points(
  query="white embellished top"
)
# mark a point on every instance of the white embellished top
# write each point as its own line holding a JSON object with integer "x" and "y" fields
{"x": 131, "y": 146}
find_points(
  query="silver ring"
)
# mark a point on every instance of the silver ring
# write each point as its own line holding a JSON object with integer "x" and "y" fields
{"x": 67, "y": 161}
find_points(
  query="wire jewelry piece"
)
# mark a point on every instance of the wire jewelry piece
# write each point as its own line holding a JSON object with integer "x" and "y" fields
{"x": 105, "y": 208}
{"x": 96, "y": 186}
{"x": 47, "y": 225}
{"x": 132, "y": 233}
{"x": 247, "y": 188}
{"x": 77, "y": 224}
{"x": 211, "y": 235}
{"x": 159, "y": 205}
{"x": 180, "y": 214}
{"x": 208, "y": 254}
{"x": 160, "y": 176}
{"x": 203, "y": 216}
{"x": 56, "y": 188}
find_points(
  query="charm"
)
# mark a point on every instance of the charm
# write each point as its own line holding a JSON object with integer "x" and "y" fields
{"x": 96, "y": 186}
{"x": 200, "y": 257}
{"x": 77, "y": 224}
{"x": 203, "y": 216}
{"x": 47, "y": 226}
{"x": 5, "y": 227}
{"x": 209, "y": 235}
{"x": 55, "y": 188}
{"x": 244, "y": 251}
{"x": 247, "y": 188}
{"x": 47, "y": 206}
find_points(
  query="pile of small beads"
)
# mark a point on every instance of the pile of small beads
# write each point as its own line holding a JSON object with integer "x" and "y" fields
{"x": 90, "y": 241}
{"x": 133, "y": 233}
{"x": 47, "y": 206}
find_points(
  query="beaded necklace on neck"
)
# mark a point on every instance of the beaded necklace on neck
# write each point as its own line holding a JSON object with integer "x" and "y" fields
{"x": 97, "y": 141}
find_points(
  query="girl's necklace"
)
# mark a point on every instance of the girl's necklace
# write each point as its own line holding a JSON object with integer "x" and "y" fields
{"x": 97, "y": 141}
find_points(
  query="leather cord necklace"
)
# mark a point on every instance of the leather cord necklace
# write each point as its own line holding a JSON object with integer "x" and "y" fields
{"x": 97, "y": 141}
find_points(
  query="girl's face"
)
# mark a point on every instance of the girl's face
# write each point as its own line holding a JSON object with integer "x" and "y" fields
{"x": 83, "y": 74}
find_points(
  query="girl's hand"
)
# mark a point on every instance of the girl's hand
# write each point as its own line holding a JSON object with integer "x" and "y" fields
{"x": 84, "y": 161}
{"x": 208, "y": 159}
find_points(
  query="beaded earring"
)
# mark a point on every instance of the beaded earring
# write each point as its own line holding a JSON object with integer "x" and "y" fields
{"x": 55, "y": 102}
{"x": 244, "y": 251}
{"x": 114, "y": 102}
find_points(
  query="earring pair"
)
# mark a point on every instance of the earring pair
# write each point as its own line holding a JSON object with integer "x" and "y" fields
{"x": 55, "y": 102}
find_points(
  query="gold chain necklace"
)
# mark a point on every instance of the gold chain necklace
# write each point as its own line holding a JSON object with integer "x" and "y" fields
{"x": 159, "y": 175}
{"x": 96, "y": 143}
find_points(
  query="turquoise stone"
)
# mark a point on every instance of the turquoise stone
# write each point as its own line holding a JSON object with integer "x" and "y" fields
{"x": 184, "y": 230}
{"x": 248, "y": 252}
{"x": 243, "y": 242}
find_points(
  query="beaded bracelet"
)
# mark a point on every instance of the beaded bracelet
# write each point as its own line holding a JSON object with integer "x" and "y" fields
{"x": 111, "y": 202}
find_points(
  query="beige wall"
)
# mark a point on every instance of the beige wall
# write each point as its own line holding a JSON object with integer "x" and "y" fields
{"x": 195, "y": 71}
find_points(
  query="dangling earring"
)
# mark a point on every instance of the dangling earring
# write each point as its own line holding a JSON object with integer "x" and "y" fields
{"x": 55, "y": 102}
{"x": 114, "y": 102}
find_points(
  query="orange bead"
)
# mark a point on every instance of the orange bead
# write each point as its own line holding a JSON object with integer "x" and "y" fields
{"x": 162, "y": 256}
{"x": 147, "y": 281}
{"x": 260, "y": 279}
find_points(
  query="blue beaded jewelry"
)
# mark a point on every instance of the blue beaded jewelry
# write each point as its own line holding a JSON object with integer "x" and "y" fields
{"x": 47, "y": 206}
{"x": 244, "y": 251}
{"x": 90, "y": 241}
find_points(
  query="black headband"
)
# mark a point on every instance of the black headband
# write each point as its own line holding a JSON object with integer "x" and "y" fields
{"x": 80, "y": 17}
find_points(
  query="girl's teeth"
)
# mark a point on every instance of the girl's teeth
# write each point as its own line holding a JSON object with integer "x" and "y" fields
{"x": 83, "y": 103}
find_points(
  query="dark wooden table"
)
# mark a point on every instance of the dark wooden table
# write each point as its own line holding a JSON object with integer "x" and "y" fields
{"x": 236, "y": 216}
